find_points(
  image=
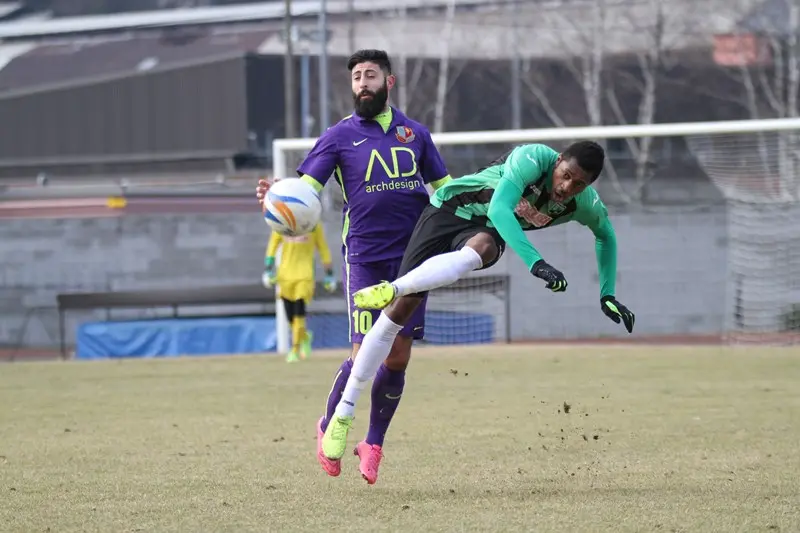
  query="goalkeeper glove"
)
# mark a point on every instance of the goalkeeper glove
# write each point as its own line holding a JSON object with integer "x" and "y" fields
{"x": 330, "y": 281}
{"x": 556, "y": 281}
{"x": 617, "y": 312}
{"x": 269, "y": 277}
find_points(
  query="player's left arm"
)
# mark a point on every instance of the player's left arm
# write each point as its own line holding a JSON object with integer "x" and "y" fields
{"x": 593, "y": 214}
{"x": 318, "y": 235}
{"x": 434, "y": 172}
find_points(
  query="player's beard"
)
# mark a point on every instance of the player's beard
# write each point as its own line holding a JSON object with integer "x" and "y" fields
{"x": 374, "y": 106}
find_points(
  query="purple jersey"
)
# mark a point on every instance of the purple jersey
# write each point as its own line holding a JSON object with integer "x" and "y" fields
{"x": 382, "y": 172}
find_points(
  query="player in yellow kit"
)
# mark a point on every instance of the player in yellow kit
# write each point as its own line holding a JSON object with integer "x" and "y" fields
{"x": 295, "y": 279}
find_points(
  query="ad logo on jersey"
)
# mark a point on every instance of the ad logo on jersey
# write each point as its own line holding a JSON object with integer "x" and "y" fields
{"x": 531, "y": 215}
{"x": 404, "y": 134}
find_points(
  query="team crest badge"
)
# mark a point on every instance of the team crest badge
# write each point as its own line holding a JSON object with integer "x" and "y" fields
{"x": 556, "y": 208}
{"x": 531, "y": 215}
{"x": 404, "y": 134}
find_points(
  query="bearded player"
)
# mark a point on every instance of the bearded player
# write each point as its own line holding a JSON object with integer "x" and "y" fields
{"x": 466, "y": 227}
{"x": 382, "y": 160}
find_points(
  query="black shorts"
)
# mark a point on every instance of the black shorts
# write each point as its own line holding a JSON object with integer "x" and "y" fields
{"x": 294, "y": 308}
{"x": 439, "y": 231}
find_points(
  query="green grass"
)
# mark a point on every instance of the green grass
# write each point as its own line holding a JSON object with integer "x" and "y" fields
{"x": 656, "y": 439}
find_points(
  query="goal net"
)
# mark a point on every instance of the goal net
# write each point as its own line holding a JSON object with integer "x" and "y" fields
{"x": 739, "y": 282}
{"x": 758, "y": 174}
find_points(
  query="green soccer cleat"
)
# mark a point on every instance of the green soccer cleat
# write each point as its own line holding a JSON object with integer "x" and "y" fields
{"x": 334, "y": 442}
{"x": 305, "y": 347}
{"x": 375, "y": 297}
{"x": 292, "y": 357}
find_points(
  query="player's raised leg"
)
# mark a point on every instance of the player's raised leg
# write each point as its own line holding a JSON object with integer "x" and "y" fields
{"x": 483, "y": 250}
{"x": 438, "y": 271}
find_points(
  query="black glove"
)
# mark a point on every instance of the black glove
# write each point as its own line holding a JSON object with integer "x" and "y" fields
{"x": 617, "y": 312}
{"x": 555, "y": 279}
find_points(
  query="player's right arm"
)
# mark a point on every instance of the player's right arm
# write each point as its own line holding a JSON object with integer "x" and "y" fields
{"x": 524, "y": 165}
{"x": 270, "y": 274}
{"x": 321, "y": 161}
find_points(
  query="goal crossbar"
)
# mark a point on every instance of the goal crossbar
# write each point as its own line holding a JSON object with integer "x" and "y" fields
{"x": 280, "y": 146}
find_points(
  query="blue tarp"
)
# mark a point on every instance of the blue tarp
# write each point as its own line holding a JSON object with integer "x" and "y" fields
{"x": 174, "y": 337}
{"x": 232, "y": 335}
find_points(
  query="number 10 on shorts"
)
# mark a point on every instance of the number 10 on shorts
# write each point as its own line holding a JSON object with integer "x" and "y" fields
{"x": 362, "y": 321}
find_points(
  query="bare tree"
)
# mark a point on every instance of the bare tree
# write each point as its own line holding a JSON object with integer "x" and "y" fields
{"x": 444, "y": 67}
{"x": 771, "y": 79}
{"x": 408, "y": 78}
{"x": 585, "y": 59}
{"x": 599, "y": 77}
{"x": 649, "y": 61}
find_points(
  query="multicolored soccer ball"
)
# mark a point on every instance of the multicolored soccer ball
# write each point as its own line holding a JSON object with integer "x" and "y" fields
{"x": 292, "y": 207}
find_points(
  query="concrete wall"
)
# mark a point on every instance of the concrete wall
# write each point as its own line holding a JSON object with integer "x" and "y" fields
{"x": 671, "y": 273}
{"x": 672, "y": 270}
{"x": 41, "y": 258}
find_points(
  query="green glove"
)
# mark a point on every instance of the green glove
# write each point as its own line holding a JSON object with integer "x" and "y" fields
{"x": 269, "y": 277}
{"x": 617, "y": 312}
{"x": 329, "y": 282}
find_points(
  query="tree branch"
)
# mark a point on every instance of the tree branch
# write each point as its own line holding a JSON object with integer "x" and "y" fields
{"x": 541, "y": 96}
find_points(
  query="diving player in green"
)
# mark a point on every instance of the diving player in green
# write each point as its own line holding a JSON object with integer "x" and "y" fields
{"x": 466, "y": 227}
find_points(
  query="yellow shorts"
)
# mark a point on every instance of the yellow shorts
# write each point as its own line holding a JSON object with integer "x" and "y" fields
{"x": 296, "y": 290}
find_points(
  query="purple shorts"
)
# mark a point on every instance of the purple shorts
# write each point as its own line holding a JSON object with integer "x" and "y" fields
{"x": 360, "y": 275}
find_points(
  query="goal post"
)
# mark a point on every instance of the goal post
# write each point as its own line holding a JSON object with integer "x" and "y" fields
{"x": 742, "y": 158}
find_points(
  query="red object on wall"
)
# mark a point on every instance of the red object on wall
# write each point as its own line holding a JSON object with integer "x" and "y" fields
{"x": 741, "y": 50}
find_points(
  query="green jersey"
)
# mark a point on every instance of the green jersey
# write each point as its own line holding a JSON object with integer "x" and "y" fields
{"x": 512, "y": 195}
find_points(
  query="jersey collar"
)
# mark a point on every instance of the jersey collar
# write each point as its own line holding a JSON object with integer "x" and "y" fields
{"x": 395, "y": 118}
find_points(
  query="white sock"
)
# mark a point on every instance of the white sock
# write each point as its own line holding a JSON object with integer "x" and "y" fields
{"x": 438, "y": 271}
{"x": 374, "y": 349}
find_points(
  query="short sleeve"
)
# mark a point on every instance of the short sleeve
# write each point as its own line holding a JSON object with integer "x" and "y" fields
{"x": 526, "y": 163}
{"x": 432, "y": 164}
{"x": 322, "y": 160}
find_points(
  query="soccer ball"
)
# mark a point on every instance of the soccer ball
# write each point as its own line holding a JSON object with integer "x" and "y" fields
{"x": 292, "y": 207}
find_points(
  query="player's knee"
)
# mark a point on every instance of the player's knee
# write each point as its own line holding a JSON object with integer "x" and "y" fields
{"x": 485, "y": 246}
{"x": 400, "y": 354}
{"x": 401, "y": 310}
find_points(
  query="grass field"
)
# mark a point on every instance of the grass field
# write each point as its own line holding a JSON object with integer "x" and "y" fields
{"x": 514, "y": 438}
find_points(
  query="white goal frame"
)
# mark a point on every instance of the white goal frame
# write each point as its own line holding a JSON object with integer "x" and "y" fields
{"x": 281, "y": 146}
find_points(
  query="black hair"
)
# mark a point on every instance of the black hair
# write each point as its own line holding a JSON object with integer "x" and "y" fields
{"x": 379, "y": 57}
{"x": 589, "y": 155}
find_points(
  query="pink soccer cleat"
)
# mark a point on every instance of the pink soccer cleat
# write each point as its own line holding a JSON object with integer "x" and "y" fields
{"x": 369, "y": 456}
{"x": 332, "y": 467}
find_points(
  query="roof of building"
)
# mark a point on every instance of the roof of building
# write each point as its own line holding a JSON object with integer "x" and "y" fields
{"x": 33, "y": 29}
{"x": 544, "y": 29}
